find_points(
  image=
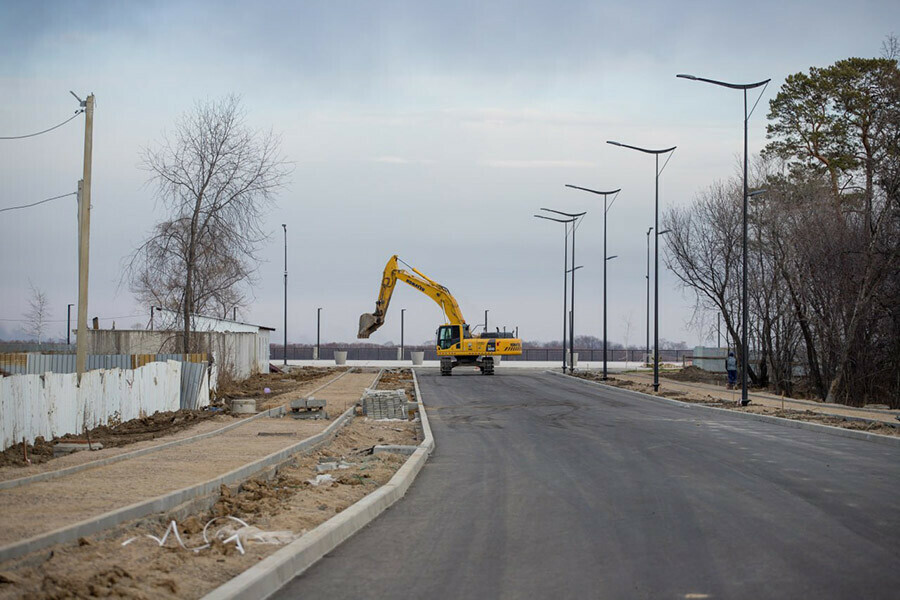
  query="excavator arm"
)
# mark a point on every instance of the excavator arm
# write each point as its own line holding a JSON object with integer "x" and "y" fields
{"x": 370, "y": 322}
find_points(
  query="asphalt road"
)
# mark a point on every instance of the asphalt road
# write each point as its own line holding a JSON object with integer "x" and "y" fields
{"x": 541, "y": 487}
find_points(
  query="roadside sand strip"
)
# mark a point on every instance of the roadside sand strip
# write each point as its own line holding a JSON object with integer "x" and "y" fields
{"x": 766, "y": 399}
{"x": 16, "y": 476}
{"x": 45, "y": 506}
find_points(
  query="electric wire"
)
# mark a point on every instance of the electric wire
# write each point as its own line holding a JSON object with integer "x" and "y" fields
{"x": 21, "y": 137}
{"x": 36, "y": 203}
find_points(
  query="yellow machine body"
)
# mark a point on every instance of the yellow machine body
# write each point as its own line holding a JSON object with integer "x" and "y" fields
{"x": 455, "y": 344}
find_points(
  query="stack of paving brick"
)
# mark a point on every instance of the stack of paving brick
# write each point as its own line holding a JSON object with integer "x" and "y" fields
{"x": 385, "y": 404}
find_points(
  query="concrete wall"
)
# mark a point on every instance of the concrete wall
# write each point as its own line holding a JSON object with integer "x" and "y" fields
{"x": 54, "y": 404}
{"x": 237, "y": 354}
{"x": 710, "y": 359}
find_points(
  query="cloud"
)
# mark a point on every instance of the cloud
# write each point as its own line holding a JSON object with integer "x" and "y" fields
{"x": 399, "y": 160}
{"x": 539, "y": 164}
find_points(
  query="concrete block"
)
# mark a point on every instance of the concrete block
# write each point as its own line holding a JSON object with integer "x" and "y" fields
{"x": 63, "y": 448}
{"x": 243, "y": 406}
{"x": 309, "y": 414}
{"x": 395, "y": 448}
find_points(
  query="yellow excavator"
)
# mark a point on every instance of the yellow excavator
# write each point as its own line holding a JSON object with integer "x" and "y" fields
{"x": 456, "y": 346}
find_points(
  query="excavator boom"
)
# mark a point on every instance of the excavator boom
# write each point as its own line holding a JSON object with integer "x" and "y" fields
{"x": 370, "y": 322}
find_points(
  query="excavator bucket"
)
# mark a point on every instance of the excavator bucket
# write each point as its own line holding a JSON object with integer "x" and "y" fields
{"x": 368, "y": 323}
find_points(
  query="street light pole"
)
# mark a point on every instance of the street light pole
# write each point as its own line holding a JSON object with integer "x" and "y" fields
{"x": 284, "y": 225}
{"x": 648, "y": 292}
{"x": 485, "y": 321}
{"x": 745, "y": 313}
{"x": 574, "y": 217}
{"x": 565, "y": 223}
{"x": 318, "y": 333}
{"x": 402, "y": 315}
{"x": 656, "y": 154}
{"x": 605, "y": 258}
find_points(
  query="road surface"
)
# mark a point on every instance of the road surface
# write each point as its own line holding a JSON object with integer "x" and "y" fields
{"x": 542, "y": 487}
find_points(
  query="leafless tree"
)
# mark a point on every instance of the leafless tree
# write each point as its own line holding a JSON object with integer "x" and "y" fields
{"x": 216, "y": 177}
{"x": 38, "y": 314}
{"x": 703, "y": 249}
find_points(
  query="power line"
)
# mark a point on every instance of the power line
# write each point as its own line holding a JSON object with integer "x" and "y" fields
{"x": 36, "y": 203}
{"x": 21, "y": 137}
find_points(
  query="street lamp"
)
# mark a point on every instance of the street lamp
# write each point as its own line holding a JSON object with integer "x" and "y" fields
{"x": 605, "y": 258}
{"x": 284, "y": 225}
{"x": 656, "y": 154}
{"x": 565, "y": 278}
{"x": 485, "y": 321}
{"x": 744, "y": 294}
{"x": 318, "y": 333}
{"x": 574, "y": 216}
{"x": 648, "y": 293}
{"x": 402, "y": 315}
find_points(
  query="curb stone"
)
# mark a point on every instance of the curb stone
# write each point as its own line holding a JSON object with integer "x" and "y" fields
{"x": 271, "y": 574}
{"x": 167, "y": 501}
{"x": 272, "y": 412}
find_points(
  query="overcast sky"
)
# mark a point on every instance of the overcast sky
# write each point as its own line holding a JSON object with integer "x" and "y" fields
{"x": 433, "y": 130}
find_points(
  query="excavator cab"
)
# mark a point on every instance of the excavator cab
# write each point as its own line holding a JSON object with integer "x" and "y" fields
{"x": 448, "y": 336}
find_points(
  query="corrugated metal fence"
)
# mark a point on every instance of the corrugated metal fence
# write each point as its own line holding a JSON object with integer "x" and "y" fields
{"x": 54, "y": 404}
{"x": 35, "y": 363}
{"x": 195, "y": 384}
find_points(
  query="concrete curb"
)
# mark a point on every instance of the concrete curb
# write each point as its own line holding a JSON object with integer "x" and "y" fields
{"x": 272, "y": 412}
{"x": 268, "y": 576}
{"x": 837, "y": 431}
{"x": 167, "y": 501}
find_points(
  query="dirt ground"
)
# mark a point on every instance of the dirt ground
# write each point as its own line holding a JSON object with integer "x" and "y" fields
{"x": 101, "y": 567}
{"x": 283, "y": 387}
{"x": 697, "y": 374}
{"x": 754, "y": 407}
{"x": 396, "y": 379}
{"x": 35, "y": 508}
{"x": 111, "y": 436}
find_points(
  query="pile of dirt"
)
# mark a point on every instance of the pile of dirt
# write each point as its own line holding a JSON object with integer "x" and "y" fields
{"x": 120, "y": 434}
{"x": 277, "y": 383}
{"x": 39, "y": 452}
{"x": 100, "y": 566}
{"x": 697, "y": 375}
{"x": 398, "y": 379}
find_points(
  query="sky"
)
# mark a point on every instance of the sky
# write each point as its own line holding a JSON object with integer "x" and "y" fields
{"x": 432, "y": 130}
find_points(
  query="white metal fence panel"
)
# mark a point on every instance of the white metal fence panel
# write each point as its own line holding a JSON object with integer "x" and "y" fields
{"x": 53, "y": 404}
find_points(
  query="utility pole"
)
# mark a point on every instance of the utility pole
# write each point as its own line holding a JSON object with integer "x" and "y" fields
{"x": 319, "y": 333}
{"x": 285, "y": 293}
{"x": 84, "y": 237}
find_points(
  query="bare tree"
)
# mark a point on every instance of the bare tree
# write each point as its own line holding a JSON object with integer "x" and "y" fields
{"x": 37, "y": 316}
{"x": 217, "y": 177}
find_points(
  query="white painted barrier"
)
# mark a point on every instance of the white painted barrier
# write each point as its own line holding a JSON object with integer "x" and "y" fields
{"x": 52, "y": 404}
